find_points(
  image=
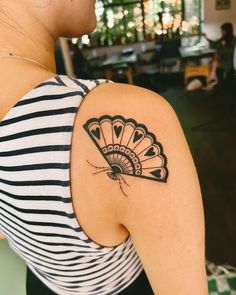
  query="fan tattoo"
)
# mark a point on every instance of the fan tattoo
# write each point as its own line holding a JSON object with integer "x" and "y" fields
{"x": 128, "y": 148}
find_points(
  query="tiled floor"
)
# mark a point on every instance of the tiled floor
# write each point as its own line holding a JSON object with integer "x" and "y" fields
{"x": 214, "y": 154}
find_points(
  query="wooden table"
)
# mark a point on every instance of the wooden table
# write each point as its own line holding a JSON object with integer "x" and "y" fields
{"x": 119, "y": 59}
{"x": 196, "y": 53}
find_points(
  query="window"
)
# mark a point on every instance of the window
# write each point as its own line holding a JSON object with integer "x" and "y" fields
{"x": 128, "y": 21}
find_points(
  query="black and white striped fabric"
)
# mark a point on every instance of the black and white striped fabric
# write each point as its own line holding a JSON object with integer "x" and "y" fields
{"x": 36, "y": 212}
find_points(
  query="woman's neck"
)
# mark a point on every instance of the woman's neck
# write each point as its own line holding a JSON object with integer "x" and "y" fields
{"x": 26, "y": 36}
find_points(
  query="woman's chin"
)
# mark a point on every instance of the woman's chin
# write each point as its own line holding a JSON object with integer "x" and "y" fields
{"x": 92, "y": 26}
{"x": 87, "y": 30}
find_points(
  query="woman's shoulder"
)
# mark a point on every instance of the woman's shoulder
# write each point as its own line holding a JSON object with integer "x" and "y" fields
{"x": 103, "y": 94}
{"x": 119, "y": 119}
{"x": 126, "y": 98}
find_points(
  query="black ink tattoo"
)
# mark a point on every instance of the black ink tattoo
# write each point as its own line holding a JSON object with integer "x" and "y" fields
{"x": 128, "y": 148}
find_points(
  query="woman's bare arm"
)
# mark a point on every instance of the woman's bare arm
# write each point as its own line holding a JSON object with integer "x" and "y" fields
{"x": 165, "y": 219}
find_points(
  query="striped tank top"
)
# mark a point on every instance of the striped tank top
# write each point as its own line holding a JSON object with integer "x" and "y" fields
{"x": 36, "y": 212}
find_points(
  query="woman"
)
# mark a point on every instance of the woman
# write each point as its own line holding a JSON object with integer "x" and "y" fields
{"x": 114, "y": 209}
{"x": 224, "y": 47}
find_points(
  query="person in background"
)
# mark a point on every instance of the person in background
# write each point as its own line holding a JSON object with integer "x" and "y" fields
{"x": 224, "y": 47}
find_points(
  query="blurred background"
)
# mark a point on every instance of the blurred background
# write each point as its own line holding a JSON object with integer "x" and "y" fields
{"x": 185, "y": 51}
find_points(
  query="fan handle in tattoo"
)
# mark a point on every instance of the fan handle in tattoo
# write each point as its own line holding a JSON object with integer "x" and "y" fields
{"x": 128, "y": 148}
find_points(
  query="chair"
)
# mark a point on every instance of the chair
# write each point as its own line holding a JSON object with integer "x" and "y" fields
{"x": 195, "y": 71}
{"x": 94, "y": 66}
{"x": 60, "y": 65}
{"x": 120, "y": 71}
{"x": 79, "y": 63}
{"x": 67, "y": 58}
{"x": 149, "y": 67}
{"x": 169, "y": 54}
{"x": 191, "y": 72}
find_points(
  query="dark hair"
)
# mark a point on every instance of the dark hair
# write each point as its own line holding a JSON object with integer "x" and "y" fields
{"x": 229, "y": 33}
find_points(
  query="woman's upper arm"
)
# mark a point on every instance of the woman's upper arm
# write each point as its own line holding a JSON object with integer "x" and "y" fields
{"x": 164, "y": 218}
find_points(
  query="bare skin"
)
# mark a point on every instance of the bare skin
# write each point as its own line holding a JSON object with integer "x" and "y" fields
{"x": 165, "y": 220}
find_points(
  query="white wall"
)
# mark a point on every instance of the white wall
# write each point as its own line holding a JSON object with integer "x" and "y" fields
{"x": 215, "y": 18}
